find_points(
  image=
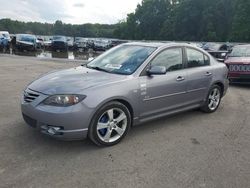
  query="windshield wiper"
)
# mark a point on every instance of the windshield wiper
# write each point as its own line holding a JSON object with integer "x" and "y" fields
{"x": 98, "y": 68}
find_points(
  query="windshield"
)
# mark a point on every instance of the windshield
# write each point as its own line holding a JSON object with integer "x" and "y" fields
{"x": 5, "y": 35}
{"x": 240, "y": 51}
{"x": 26, "y": 38}
{"x": 211, "y": 46}
{"x": 122, "y": 60}
{"x": 61, "y": 38}
{"x": 80, "y": 39}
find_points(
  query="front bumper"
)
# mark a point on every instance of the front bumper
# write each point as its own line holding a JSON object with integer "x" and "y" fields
{"x": 59, "y": 46}
{"x": 66, "y": 123}
{"x": 22, "y": 47}
{"x": 239, "y": 78}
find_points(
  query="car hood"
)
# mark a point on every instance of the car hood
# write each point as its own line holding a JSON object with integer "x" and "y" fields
{"x": 73, "y": 81}
{"x": 25, "y": 42}
{"x": 238, "y": 60}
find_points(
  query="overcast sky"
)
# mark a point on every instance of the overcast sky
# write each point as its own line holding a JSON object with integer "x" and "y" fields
{"x": 69, "y": 11}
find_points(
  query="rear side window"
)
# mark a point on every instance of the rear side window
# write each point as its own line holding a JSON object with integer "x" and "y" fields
{"x": 196, "y": 58}
{"x": 170, "y": 58}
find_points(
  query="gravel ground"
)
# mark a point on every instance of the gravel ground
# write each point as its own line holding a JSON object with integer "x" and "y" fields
{"x": 188, "y": 150}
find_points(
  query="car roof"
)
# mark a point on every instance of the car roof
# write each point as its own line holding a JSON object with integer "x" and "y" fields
{"x": 25, "y": 34}
{"x": 242, "y": 45}
{"x": 159, "y": 44}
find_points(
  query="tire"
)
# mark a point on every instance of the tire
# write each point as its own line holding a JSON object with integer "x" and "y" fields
{"x": 213, "y": 99}
{"x": 110, "y": 124}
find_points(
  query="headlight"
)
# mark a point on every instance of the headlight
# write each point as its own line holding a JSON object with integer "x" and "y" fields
{"x": 63, "y": 100}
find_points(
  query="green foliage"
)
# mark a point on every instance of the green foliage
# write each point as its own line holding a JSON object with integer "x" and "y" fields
{"x": 184, "y": 20}
{"x": 241, "y": 21}
{"x": 188, "y": 20}
{"x": 59, "y": 28}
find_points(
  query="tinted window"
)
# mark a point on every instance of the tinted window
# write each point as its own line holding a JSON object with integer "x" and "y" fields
{"x": 170, "y": 58}
{"x": 196, "y": 58}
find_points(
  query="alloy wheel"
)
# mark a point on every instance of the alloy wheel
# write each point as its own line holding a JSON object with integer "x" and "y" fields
{"x": 214, "y": 99}
{"x": 112, "y": 125}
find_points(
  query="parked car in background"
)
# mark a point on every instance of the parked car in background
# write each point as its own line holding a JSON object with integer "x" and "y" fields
{"x": 6, "y": 35}
{"x": 116, "y": 42}
{"x": 80, "y": 43}
{"x": 4, "y": 40}
{"x": 101, "y": 45}
{"x": 47, "y": 43}
{"x": 217, "y": 50}
{"x": 128, "y": 85}
{"x": 70, "y": 41}
{"x": 25, "y": 42}
{"x": 238, "y": 62}
{"x": 59, "y": 43}
{"x": 40, "y": 43}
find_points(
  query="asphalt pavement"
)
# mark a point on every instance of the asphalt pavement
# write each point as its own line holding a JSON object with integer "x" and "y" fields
{"x": 188, "y": 150}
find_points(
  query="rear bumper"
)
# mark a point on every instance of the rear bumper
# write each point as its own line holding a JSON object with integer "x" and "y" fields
{"x": 25, "y": 47}
{"x": 59, "y": 46}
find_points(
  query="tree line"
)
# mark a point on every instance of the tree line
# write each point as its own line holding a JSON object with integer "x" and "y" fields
{"x": 58, "y": 28}
{"x": 180, "y": 20}
{"x": 188, "y": 20}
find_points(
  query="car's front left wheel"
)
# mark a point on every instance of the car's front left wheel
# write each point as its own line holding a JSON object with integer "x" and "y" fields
{"x": 110, "y": 124}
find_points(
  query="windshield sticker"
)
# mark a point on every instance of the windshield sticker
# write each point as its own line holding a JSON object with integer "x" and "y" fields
{"x": 113, "y": 66}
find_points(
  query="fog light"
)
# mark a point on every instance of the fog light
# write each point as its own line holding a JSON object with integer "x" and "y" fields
{"x": 53, "y": 130}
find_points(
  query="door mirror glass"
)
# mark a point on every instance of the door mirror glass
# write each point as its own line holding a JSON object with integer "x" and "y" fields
{"x": 157, "y": 70}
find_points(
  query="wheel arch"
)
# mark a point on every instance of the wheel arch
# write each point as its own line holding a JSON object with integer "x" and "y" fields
{"x": 128, "y": 105}
{"x": 121, "y": 100}
{"x": 221, "y": 85}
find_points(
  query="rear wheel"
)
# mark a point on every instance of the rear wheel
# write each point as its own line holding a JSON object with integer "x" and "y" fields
{"x": 110, "y": 124}
{"x": 213, "y": 100}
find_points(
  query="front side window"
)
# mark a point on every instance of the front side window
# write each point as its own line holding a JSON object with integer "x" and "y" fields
{"x": 196, "y": 58}
{"x": 170, "y": 58}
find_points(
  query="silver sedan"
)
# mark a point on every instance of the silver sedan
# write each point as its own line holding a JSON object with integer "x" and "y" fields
{"x": 128, "y": 85}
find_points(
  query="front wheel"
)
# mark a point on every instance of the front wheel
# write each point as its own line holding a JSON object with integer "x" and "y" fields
{"x": 213, "y": 100}
{"x": 110, "y": 124}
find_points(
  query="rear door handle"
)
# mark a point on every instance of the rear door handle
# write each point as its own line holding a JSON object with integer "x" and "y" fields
{"x": 208, "y": 74}
{"x": 180, "y": 78}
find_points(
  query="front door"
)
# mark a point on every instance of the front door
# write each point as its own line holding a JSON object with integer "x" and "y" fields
{"x": 164, "y": 93}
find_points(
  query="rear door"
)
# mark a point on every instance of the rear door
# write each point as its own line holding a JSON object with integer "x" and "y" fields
{"x": 199, "y": 75}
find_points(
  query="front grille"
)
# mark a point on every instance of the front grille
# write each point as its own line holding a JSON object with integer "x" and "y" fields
{"x": 239, "y": 68}
{"x": 30, "y": 96}
{"x": 31, "y": 122}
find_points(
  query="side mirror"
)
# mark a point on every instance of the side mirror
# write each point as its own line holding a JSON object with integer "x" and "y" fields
{"x": 157, "y": 70}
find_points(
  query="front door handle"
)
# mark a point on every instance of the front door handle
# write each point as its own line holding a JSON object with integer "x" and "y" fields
{"x": 180, "y": 78}
{"x": 208, "y": 74}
